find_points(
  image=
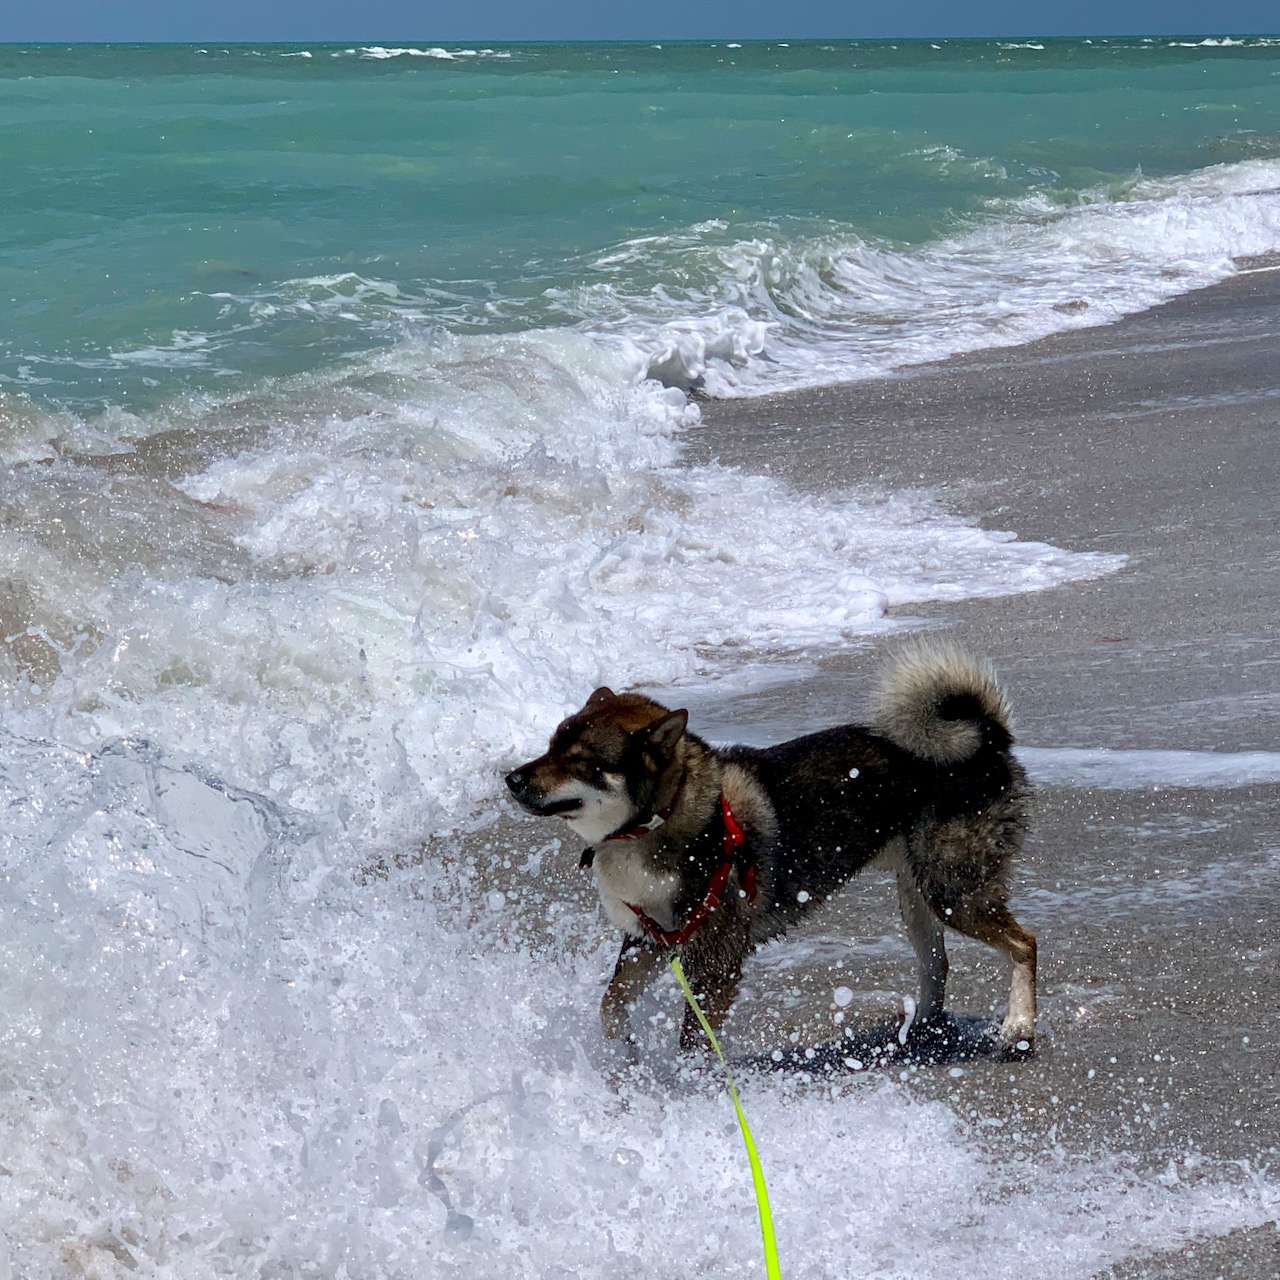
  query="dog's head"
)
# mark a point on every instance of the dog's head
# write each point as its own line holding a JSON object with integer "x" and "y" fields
{"x": 604, "y": 765}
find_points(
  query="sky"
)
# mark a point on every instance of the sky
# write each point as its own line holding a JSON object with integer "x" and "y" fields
{"x": 442, "y": 21}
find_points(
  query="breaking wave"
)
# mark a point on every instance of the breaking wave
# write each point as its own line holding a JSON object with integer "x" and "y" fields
{"x": 795, "y": 304}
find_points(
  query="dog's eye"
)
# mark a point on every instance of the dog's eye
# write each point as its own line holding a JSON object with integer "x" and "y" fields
{"x": 586, "y": 768}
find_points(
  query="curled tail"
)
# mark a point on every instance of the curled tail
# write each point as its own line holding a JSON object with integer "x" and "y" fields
{"x": 939, "y": 702}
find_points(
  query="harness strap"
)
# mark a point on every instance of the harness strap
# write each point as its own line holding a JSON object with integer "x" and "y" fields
{"x": 642, "y": 829}
{"x": 733, "y": 837}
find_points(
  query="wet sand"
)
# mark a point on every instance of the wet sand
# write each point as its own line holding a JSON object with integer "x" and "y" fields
{"x": 1155, "y": 437}
{"x": 1156, "y": 909}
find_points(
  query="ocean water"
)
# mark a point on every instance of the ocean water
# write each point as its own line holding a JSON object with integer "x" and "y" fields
{"x": 342, "y": 398}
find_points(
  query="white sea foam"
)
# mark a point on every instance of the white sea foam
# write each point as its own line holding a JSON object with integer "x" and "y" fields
{"x": 227, "y": 1053}
{"x": 1126, "y": 770}
{"x": 382, "y": 53}
{"x": 437, "y": 552}
{"x": 781, "y": 311}
{"x": 255, "y": 645}
{"x": 793, "y": 304}
{"x": 230, "y": 1059}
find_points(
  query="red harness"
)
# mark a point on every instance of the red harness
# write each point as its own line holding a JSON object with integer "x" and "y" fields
{"x": 733, "y": 837}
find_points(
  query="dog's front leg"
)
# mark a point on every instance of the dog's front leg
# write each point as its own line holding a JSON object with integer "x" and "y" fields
{"x": 637, "y": 966}
{"x": 715, "y": 984}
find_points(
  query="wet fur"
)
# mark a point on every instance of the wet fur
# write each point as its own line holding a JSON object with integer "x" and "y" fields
{"x": 936, "y": 796}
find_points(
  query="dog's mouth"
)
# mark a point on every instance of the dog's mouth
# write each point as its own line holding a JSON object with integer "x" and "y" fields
{"x": 554, "y": 808}
{"x": 549, "y": 808}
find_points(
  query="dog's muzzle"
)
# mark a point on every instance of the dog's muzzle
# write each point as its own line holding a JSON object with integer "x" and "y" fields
{"x": 518, "y": 783}
{"x": 529, "y": 796}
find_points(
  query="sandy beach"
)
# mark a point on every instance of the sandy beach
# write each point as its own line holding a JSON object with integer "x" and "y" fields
{"x": 1155, "y": 906}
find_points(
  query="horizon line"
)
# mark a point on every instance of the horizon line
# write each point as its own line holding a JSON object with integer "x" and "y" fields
{"x": 376, "y": 41}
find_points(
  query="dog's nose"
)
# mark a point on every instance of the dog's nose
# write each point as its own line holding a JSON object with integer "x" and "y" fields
{"x": 517, "y": 780}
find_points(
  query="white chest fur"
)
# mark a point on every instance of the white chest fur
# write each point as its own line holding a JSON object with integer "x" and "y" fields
{"x": 625, "y": 875}
{"x": 602, "y": 811}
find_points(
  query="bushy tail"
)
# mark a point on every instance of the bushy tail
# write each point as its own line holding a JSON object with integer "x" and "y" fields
{"x": 939, "y": 702}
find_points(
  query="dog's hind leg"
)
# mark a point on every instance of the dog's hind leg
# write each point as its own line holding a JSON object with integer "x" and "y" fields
{"x": 637, "y": 966}
{"x": 925, "y": 931}
{"x": 985, "y": 915}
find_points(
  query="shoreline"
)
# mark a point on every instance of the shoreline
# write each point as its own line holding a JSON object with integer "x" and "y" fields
{"x": 1158, "y": 1036}
{"x": 1155, "y": 437}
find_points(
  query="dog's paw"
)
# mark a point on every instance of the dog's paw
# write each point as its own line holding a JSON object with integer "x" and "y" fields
{"x": 1017, "y": 1047}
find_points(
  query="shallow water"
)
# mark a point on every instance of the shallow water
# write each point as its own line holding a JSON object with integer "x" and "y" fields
{"x": 343, "y": 402}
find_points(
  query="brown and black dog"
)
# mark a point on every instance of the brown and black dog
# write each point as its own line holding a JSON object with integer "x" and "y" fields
{"x": 714, "y": 851}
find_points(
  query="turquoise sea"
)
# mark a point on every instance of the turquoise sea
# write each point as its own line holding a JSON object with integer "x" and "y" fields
{"x": 343, "y": 393}
{"x": 179, "y": 218}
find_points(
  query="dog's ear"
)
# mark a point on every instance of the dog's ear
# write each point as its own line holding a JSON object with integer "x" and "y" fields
{"x": 602, "y": 694}
{"x": 668, "y": 731}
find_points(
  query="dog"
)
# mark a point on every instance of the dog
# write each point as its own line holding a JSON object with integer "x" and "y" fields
{"x": 711, "y": 852}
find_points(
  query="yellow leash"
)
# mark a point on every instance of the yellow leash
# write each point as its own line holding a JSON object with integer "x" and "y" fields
{"x": 757, "y": 1174}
